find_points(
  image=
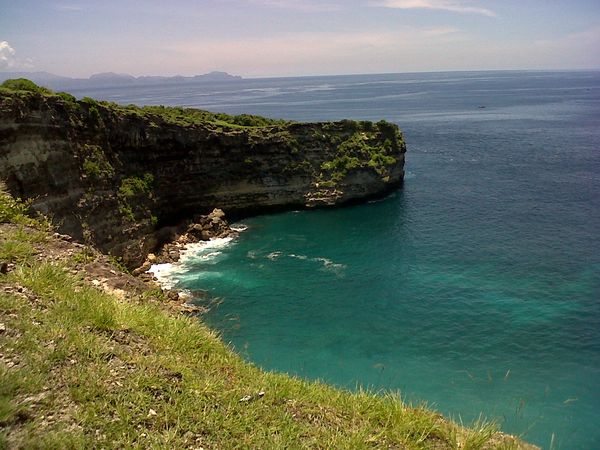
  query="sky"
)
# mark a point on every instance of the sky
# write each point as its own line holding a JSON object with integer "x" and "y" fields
{"x": 262, "y": 38}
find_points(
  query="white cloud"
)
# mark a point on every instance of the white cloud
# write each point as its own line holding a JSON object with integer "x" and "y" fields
{"x": 7, "y": 55}
{"x": 8, "y": 59}
{"x": 459, "y": 6}
{"x": 298, "y": 5}
{"x": 68, "y": 8}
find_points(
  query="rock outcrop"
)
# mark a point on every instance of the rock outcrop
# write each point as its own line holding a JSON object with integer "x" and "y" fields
{"x": 127, "y": 178}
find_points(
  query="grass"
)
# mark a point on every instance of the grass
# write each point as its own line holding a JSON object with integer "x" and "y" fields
{"x": 80, "y": 368}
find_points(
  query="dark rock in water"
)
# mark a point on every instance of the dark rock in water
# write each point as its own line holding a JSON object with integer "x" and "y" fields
{"x": 126, "y": 178}
{"x": 199, "y": 294}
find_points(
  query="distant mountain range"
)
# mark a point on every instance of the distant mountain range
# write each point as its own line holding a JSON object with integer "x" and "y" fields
{"x": 111, "y": 79}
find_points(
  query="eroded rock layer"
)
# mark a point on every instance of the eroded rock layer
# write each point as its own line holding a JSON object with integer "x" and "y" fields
{"x": 123, "y": 177}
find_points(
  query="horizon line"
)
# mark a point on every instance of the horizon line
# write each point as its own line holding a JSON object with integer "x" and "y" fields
{"x": 588, "y": 69}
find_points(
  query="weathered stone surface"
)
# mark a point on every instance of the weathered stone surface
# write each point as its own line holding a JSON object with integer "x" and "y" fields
{"x": 126, "y": 181}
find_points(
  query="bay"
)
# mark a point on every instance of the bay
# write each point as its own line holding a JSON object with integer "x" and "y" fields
{"x": 475, "y": 288}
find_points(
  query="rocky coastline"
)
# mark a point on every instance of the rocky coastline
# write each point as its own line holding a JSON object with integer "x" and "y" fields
{"x": 128, "y": 180}
{"x": 202, "y": 228}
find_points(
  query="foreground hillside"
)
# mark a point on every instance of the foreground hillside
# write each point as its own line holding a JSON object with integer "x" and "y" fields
{"x": 93, "y": 358}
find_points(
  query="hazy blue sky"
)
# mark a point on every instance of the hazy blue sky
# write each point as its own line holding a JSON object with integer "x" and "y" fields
{"x": 296, "y": 37}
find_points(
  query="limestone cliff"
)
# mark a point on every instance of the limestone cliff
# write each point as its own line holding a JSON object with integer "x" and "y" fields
{"x": 120, "y": 177}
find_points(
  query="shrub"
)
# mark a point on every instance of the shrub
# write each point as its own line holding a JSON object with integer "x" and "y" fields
{"x": 95, "y": 164}
{"x": 23, "y": 84}
{"x": 94, "y": 116}
{"x": 67, "y": 97}
{"x": 14, "y": 210}
{"x": 386, "y": 127}
{"x": 11, "y": 209}
{"x": 132, "y": 186}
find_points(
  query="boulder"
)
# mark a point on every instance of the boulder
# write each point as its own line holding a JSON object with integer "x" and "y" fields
{"x": 143, "y": 268}
{"x": 216, "y": 214}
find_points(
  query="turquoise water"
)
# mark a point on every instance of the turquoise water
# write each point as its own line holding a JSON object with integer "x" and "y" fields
{"x": 476, "y": 288}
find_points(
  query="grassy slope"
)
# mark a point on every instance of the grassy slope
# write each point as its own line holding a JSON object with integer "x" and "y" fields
{"x": 80, "y": 368}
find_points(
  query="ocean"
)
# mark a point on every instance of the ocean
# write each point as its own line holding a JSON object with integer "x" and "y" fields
{"x": 474, "y": 289}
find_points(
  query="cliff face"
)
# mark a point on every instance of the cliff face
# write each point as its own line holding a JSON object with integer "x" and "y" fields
{"x": 119, "y": 177}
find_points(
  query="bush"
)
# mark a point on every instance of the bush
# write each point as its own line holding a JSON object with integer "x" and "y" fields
{"x": 67, "y": 97}
{"x": 95, "y": 165}
{"x": 386, "y": 127}
{"x": 11, "y": 210}
{"x": 89, "y": 101}
{"x": 132, "y": 186}
{"x": 15, "y": 210}
{"x": 23, "y": 84}
{"x": 131, "y": 197}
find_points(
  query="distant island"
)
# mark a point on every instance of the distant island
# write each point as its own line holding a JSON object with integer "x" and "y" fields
{"x": 111, "y": 79}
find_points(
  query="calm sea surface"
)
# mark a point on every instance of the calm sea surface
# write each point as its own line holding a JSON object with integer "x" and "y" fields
{"x": 476, "y": 288}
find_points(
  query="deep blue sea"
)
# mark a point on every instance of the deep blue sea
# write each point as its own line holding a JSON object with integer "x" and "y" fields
{"x": 475, "y": 288}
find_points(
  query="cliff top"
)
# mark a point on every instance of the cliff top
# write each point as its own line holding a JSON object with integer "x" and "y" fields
{"x": 27, "y": 90}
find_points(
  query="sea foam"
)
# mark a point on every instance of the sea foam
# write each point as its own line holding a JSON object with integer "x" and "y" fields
{"x": 168, "y": 274}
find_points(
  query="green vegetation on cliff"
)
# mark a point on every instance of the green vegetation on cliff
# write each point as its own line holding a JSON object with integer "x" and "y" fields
{"x": 95, "y": 164}
{"x": 23, "y": 84}
{"x": 372, "y": 145}
{"x": 174, "y": 115}
{"x": 191, "y": 116}
{"x": 134, "y": 194}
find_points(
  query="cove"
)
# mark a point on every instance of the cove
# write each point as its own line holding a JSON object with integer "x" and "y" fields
{"x": 474, "y": 288}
